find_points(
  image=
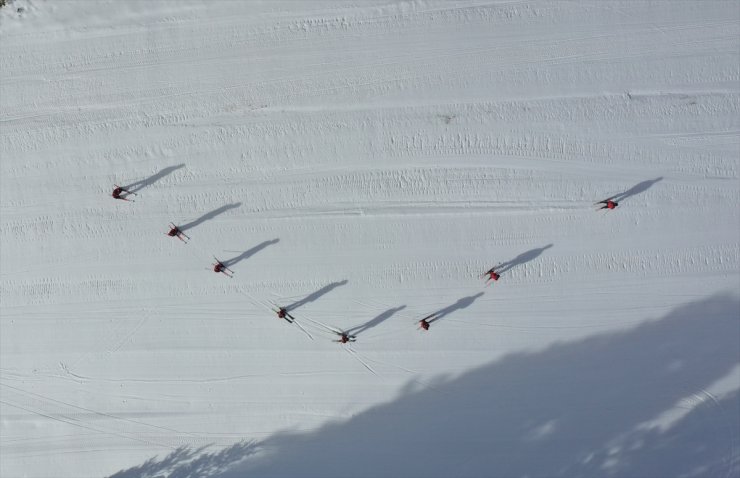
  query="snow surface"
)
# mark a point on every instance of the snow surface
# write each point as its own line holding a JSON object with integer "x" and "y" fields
{"x": 366, "y": 161}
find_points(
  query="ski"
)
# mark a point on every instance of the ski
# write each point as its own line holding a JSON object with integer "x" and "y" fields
{"x": 610, "y": 198}
{"x": 177, "y": 236}
{"x": 328, "y": 328}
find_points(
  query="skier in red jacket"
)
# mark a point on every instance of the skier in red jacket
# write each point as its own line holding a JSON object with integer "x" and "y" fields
{"x": 492, "y": 275}
{"x": 344, "y": 338}
{"x": 118, "y": 191}
{"x": 282, "y": 313}
{"x": 221, "y": 267}
{"x": 177, "y": 232}
{"x": 608, "y": 204}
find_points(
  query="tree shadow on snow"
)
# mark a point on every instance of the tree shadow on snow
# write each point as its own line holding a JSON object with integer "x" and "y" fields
{"x": 373, "y": 322}
{"x": 579, "y": 409}
{"x": 208, "y": 216}
{"x": 314, "y": 296}
{"x": 635, "y": 190}
{"x": 185, "y": 463}
{"x": 575, "y": 409}
{"x": 249, "y": 253}
{"x": 522, "y": 258}
{"x": 139, "y": 185}
{"x": 460, "y": 304}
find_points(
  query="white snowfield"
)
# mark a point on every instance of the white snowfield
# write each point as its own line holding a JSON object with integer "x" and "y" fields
{"x": 363, "y": 163}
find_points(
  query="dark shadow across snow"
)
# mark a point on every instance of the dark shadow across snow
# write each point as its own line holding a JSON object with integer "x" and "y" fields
{"x": 208, "y": 216}
{"x": 315, "y": 295}
{"x": 186, "y": 463}
{"x": 354, "y": 331}
{"x": 460, "y": 304}
{"x": 576, "y": 409}
{"x": 635, "y": 190}
{"x": 522, "y": 258}
{"x": 249, "y": 253}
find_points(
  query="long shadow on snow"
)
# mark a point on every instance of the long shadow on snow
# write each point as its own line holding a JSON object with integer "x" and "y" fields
{"x": 209, "y": 215}
{"x": 460, "y": 304}
{"x": 139, "y": 185}
{"x": 373, "y": 322}
{"x": 314, "y": 296}
{"x": 249, "y": 253}
{"x": 573, "y": 410}
{"x": 185, "y": 463}
{"x": 522, "y": 258}
{"x": 561, "y": 412}
{"x": 635, "y": 190}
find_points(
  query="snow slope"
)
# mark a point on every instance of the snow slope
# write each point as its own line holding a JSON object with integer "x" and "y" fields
{"x": 365, "y": 162}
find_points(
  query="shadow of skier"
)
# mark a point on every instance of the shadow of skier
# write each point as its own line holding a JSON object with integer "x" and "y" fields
{"x": 460, "y": 304}
{"x": 522, "y": 258}
{"x": 315, "y": 295}
{"x": 634, "y": 190}
{"x": 355, "y": 331}
{"x": 209, "y": 216}
{"x": 139, "y": 185}
{"x": 249, "y": 253}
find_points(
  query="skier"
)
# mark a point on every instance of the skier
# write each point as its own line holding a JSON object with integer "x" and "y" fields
{"x": 608, "y": 204}
{"x": 492, "y": 275}
{"x": 117, "y": 193}
{"x": 221, "y": 267}
{"x": 174, "y": 232}
{"x": 427, "y": 321}
{"x": 177, "y": 232}
{"x": 282, "y": 313}
{"x": 344, "y": 338}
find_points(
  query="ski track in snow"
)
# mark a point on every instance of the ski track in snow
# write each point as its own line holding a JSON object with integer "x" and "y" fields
{"x": 353, "y": 158}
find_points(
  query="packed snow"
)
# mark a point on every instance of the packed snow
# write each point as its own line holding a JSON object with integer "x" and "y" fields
{"x": 363, "y": 164}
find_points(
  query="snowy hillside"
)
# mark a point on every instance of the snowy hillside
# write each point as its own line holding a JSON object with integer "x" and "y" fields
{"x": 363, "y": 163}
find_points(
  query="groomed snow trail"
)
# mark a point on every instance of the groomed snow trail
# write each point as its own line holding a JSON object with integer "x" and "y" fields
{"x": 365, "y": 162}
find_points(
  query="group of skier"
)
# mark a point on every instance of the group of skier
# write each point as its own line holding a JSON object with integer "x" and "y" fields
{"x": 283, "y": 313}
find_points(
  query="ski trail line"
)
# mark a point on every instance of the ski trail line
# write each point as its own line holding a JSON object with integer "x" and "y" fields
{"x": 102, "y": 414}
{"x": 354, "y": 354}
